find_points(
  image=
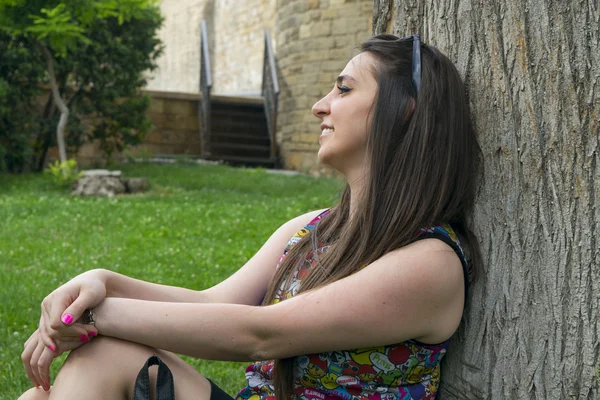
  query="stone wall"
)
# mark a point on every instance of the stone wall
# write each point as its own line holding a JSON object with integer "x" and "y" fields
{"x": 236, "y": 37}
{"x": 175, "y": 117}
{"x": 179, "y": 66}
{"x": 315, "y": 40}
{"x": 239, "y": 44}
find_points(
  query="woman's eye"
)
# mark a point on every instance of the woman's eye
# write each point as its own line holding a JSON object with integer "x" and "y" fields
{"x": 344, "y": 89}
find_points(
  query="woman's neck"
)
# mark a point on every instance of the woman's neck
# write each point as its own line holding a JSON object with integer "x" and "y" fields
{"x": 357, "y": 191}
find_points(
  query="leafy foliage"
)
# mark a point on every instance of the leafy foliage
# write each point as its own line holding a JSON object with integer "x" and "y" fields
{"x": 100, "y": 50}
{"x": 20, "y": 73}
{"x": 64, "y": 173}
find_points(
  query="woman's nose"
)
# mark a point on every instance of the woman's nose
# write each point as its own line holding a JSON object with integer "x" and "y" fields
{"x": 321, "y": 108}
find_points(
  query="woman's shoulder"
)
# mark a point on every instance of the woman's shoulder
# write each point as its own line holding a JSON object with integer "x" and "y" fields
{"x": 301, "y": 222}
{"x": 446, "y": 233}
{"x": 308, "y": 219}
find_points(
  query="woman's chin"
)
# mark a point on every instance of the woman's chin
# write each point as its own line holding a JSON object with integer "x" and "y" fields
{"x": 328, "y": 159}
{"x": 324, "y": 156}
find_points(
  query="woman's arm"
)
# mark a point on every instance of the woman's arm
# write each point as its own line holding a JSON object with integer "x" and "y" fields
{"x": 411, "y": 293}
{"x": 246, "y": 286}
{"x": 63, "y": 307}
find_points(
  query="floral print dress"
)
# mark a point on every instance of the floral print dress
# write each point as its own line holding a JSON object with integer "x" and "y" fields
{"x": 407, "y": 370}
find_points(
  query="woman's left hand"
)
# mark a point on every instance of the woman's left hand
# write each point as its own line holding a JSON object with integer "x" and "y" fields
{"x": 37, "y": 357}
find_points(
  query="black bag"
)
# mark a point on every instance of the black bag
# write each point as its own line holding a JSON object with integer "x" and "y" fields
{"x": 165, "y": 388}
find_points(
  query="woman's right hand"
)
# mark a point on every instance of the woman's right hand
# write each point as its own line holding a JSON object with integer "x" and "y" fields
{"x": 62, "y": 308}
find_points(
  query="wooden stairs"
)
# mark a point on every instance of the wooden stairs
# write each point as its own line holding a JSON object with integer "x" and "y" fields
{"x": 239, "y": 133}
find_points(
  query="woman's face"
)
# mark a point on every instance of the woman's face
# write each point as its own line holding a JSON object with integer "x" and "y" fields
{"x": 345, "y": 113}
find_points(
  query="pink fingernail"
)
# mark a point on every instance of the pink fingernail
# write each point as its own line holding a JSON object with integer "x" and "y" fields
{"x": 51, "y": 348}
{"x": 92, "y": 334}
{"x": 67, "y": 319}
{"x": 84, "y": 338}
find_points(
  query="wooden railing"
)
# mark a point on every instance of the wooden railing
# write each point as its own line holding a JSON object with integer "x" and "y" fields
{"x": 205, "y": 86}
{"x": 270, "y": 92}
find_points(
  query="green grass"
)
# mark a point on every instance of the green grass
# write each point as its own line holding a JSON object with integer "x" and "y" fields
{"x": 193, "y": 228}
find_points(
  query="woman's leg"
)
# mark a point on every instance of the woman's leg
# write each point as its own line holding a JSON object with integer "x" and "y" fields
{"x": 107, "y": 368}
{"x": 35, "y": 394}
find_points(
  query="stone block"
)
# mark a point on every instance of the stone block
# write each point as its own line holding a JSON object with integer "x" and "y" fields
{"x": 303, "y": 146}
{"x": 315, "y": 55}
{"x": 322, "y": 28}
{"x": 312, "y": 4}
{"x": 154, "y": 137}
{"x": 293, "y": 160}
{"x": 341, "y": 54}
{"x": 331, "y": 13}
{"x": 326, "y": 78}
{"x": 314, "y": 16}
{"x": 309, "y": 137}
{"x": 88, "y": 150}
{"x": 297, "y": 7}
{"x": 310, "y": 75}
{"x": 158, "y": 119}
{"x": 317, "y": 91}
{"x": 175, "y": 137}
{"x": 135, "y": 185}
{"x": 157, "y": 105}
{"x": 99, "y": 183}
{"x": 183, "y": 108}
{"x": 305, "y": 31}
{"x": 334, "y": 66}
{"x": 341, "y": 26}
{"x": 191, "y": 123}
{"x": 342, "y": 41}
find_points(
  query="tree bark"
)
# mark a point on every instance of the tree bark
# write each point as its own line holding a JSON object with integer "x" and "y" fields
{"x": 532, "y": 69}
{"x": 60, "y": 104}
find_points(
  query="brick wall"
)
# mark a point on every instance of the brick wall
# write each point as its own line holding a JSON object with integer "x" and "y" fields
{"x": 315, "y": 40}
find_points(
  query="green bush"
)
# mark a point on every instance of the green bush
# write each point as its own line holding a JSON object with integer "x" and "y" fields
{"x": 21, "y": 72}
{"x": 64, "y": 174}
{"x": 99, "y": 78}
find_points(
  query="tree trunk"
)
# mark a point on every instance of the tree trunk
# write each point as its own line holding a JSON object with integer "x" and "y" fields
{"x": 532, "y": 68}
{"x": 60, "y": 104}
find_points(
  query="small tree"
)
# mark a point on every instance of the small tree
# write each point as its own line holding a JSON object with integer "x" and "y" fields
{"x": 57, "y": 27}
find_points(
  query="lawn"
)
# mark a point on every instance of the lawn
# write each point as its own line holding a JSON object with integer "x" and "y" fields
{"x": 193, "y": 228}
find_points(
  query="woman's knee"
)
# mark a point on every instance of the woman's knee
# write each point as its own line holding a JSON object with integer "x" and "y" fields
{"x": 109, "y": 350}
{"x": 35, "y": 394}
{"x": 104, "y": 361}
{"x": 107, "y": 360}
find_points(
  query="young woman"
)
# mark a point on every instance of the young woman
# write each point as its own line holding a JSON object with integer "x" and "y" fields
{"x": 367, "y": 294}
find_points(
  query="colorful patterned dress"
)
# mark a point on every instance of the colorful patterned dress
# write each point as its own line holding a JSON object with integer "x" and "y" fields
{"x": 406, "y": 370}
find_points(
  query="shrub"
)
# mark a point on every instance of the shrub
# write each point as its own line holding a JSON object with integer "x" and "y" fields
{"x": 64, "y": 173}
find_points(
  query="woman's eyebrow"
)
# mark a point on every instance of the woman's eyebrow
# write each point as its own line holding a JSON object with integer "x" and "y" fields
{"x": 342, "y": 78}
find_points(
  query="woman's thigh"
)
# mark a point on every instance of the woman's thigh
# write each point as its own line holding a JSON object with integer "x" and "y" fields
{"x": 107, "y": 365}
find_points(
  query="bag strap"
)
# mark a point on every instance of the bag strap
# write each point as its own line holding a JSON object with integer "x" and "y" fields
{"x": 165, "y": 388}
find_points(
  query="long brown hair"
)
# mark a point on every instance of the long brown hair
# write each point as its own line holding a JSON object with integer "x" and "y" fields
{"x": 424, "y": 166}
